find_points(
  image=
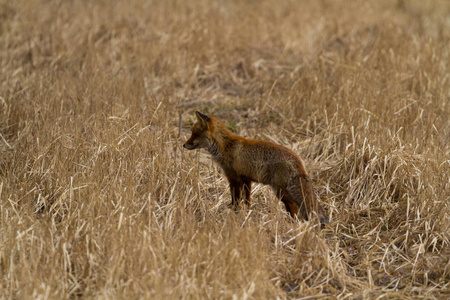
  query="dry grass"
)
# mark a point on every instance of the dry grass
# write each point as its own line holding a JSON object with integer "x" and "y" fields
{"x": 99, "y": 200}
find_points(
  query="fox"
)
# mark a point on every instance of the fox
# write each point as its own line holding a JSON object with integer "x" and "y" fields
{"x": 245, "y": 161}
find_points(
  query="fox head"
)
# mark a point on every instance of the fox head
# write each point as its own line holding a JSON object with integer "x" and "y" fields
{"x": 201, "y": 133}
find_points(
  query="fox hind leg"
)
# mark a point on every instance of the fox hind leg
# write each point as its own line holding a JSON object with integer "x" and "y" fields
{"x": 301, "y": 190}
{"x": 289, "y": 203}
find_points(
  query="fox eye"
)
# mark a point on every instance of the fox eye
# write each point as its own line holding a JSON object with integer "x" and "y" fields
{"x": 196, "y": 134}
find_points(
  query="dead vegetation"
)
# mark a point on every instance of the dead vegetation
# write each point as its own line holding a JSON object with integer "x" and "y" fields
{"x": 98, "y": 199}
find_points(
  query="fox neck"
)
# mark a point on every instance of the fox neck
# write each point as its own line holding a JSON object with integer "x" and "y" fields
{"x": 222, "y": 141}
{"x": 215, "y": 151}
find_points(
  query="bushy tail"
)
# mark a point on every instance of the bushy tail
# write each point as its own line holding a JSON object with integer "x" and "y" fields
{"x": 307, "y": 201}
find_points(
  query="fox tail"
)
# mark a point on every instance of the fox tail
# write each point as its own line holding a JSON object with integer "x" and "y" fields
{"x": 310, "y": 203}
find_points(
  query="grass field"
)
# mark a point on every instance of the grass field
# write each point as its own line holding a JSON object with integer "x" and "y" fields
{"x": 98, "y": 199}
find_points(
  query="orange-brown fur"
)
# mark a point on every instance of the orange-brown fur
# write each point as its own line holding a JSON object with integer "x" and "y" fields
{"x": 245, "y": 161}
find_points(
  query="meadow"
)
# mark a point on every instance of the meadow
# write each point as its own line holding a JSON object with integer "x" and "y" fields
{"x": 99, "y": 200}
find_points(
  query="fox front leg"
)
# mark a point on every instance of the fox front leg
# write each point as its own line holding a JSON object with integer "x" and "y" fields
{"x": 236, "y": 188}
{"x": 247, "y": 190}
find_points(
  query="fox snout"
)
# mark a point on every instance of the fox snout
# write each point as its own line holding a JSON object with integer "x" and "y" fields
{"x": 189, "y": 146}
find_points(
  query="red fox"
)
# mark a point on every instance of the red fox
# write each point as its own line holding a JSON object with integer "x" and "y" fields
{"x": 245, "y": 161}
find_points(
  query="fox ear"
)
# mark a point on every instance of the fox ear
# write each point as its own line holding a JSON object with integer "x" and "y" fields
{"x": 204, "y": 119}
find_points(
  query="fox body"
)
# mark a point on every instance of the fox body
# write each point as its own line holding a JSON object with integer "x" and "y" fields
{"x": 245, "y": 161}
